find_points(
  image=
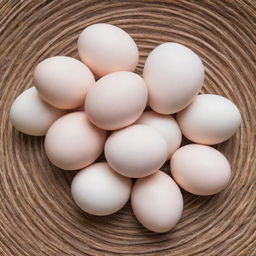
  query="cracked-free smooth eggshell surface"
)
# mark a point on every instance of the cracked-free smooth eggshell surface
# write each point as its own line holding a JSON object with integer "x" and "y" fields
{"x": 31, "y": 115}
{"x": 136, "y": 151}
{"x": 73, "y": 142}
{"x": 157, "y": 202}
{"x": 116, "y": 100}
{"x": 200, "y": 169}
{"x": 166, "y": 125}
{"x": 106, "y": 48}
{"x": 99, "y": 190}
{"x": 174, "y": 75}
{"x": 63, "y": 81}
{"x": 209, "y": 119}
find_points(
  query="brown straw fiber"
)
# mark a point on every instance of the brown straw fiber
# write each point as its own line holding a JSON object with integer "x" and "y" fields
{"x": 37, "y": 214}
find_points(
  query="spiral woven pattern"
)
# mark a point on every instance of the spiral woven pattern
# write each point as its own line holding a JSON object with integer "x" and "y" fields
{"x": 37, "y": 214}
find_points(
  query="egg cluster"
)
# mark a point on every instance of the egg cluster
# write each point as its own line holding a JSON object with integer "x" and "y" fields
{"x": 74, "y": 111}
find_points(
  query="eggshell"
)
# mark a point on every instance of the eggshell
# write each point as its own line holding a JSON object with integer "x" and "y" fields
{"x": 210, "y": 119}
{"x": 174, "y": 75}
{"x": 116, "y": 100}
{"x": 105, "y": 48}
{"x": 136, "y": 151}
{"x": 166, "y": 125}
{"x": 72, "y": 142}
{"x": 63, "y": 81}
{"x": 99, "y": 190}
{"x": 199, "y": 169}
{"x": 157, "y": 202}
{"x": 31, "y": 115}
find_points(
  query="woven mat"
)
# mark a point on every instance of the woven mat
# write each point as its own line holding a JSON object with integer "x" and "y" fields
{"x": 37, "y": 214}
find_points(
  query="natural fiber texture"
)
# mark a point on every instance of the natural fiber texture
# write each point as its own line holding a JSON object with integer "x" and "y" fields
{"x": 37, "y": 214}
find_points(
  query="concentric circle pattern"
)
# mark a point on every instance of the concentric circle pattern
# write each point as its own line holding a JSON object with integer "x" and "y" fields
{"x": 37, "y": 214}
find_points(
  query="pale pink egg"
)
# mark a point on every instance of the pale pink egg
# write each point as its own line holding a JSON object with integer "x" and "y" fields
{"x": 157, "y": 202}
{"x": 136, "y": 151}
{"x": 73, "y": 142}
{"x": 199, "y": 169}
{"x": 63, "y": 81}
{"x": 31, "y": 115}
{"x": 166, "y": 125}
{"x": 209, "y": 119}
{"x": 106, "y": 48}
{"x": 116, "y": 100}
{"x": 174, "y": 75}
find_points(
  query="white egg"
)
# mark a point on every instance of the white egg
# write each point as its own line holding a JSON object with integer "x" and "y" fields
{"x": 136, "y": 151}
{"x": 31, "y": 115}
{"x": 174, "y": 75}
{"x": 210, "y": 119}
{"x": 157, "y": 202}
{"x": 99, "y": 190}
{"x": 105, "y": 48}
{"x": 166, "y": 125}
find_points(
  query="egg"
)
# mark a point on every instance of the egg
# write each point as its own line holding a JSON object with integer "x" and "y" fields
{"x": 136, "y": 151}
{"x": 106, "y": 48}
{"x": 99, "y": 190}
{"x": 166, "y": 125}
{"x": 210, "y": 119}
{"x": 174, "y": 75}
{"x": 200, "y": 170}
{"x": 63, "y": 81}
{"x": 29, "y": 114}
{"x": 157, "y": 202}
{"x": 72, "y": 142}
{"x": 116, "y": 100}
